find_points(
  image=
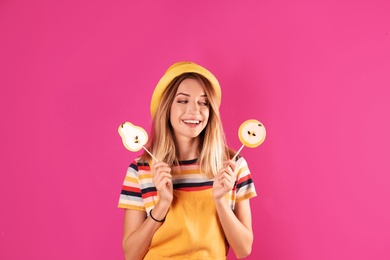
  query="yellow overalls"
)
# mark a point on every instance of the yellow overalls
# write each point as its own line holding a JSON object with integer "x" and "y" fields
{"x": 191, "y": 230}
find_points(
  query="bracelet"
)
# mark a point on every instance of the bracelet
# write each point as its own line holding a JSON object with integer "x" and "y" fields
{"x": 150, "y": 213}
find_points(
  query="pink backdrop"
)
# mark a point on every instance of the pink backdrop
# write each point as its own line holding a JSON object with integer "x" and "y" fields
{"x": 316, "y": 73}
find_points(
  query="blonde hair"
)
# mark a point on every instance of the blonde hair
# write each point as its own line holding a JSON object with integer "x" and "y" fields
{"x": 212, "y": 150}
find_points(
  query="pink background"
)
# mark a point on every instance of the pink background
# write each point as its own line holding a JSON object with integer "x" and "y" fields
{"x": 316, "y": 73}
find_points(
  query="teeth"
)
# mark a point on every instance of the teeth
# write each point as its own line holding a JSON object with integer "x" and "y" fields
{"x": 191, "y": 121}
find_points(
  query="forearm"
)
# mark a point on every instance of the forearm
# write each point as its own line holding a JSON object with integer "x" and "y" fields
{"x": 239, "y": 237}
{"x": 136, "y": 244}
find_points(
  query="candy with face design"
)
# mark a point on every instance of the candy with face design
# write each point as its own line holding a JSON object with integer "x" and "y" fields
{"x": 251, "y": 133}
{"x": 133, "y": 137}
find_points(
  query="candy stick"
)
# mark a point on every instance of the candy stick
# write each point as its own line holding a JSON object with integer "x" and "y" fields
{"x": 234, "y": 157}
{"x": 150, "y": 153}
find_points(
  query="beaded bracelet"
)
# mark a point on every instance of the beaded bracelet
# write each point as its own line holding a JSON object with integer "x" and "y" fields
{"x": 150, "y": 213}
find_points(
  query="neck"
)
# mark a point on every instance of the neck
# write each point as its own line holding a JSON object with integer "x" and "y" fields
{"x": 188, "y": 149}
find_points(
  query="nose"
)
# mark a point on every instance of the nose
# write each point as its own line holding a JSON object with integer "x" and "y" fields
{"x": 193, "y": 107}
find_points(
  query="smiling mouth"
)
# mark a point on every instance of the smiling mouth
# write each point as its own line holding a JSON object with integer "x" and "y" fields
{"x": 195, "y": 122}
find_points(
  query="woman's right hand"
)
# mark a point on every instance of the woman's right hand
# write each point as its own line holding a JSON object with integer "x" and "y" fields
{"x": 162, "y": 180}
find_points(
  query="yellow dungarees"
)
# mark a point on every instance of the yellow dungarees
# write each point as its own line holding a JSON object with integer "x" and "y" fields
{"x": 191, "y": 230}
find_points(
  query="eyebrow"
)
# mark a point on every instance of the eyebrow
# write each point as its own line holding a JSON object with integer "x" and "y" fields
{"x": 188, "y": 95}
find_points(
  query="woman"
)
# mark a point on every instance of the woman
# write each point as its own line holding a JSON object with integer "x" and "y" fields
{"x": 193, "y": 203}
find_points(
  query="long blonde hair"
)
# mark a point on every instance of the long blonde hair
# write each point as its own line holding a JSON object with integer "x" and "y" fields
{"x": 212, "y": 150}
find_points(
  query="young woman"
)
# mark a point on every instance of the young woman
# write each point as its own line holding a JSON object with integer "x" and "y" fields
{"x": 193, "y": 203}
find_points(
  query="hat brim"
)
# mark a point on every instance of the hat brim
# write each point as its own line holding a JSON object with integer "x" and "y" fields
{"x": 176, "y": 70}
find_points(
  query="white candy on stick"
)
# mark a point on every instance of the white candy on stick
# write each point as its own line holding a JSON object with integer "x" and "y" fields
{"x": 251, "y": 134}
{"x": 134, "y": 137}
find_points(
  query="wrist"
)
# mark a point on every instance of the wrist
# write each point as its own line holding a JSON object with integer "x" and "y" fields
{"x": 164, "y": 204}
{"x": 160, "y": 220}
{"x": 220, "y": 199}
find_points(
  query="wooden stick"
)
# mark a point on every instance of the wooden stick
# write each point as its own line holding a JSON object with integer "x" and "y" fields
{"x": 150, "y": 153}
{"x": 234, "y": 157}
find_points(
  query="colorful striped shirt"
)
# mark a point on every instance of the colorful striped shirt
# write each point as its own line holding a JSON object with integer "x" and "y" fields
{"x": 139, "y": 192}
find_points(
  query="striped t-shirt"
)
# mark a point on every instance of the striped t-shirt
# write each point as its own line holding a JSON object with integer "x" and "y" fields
{"x": 139, "y": 192}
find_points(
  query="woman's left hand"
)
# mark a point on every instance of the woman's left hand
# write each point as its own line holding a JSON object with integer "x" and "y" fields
{"x": 225, "y": 179}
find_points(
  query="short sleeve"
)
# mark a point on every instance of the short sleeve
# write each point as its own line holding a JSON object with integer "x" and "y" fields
{"x": 131, "y": 195}
{"x": 245, "y": 188}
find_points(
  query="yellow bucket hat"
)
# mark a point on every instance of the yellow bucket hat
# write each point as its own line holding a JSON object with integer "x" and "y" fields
{"x": 175, "y": 70}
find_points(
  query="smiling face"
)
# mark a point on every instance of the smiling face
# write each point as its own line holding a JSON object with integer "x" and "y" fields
{"x": 190, "y": 110}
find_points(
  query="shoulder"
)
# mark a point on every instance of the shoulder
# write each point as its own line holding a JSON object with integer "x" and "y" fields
{"x": 241, "y": 162}
{"x": 139, "y": 162}
{"x": 242, "y": 168}
{"x": 138, "y": 166}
